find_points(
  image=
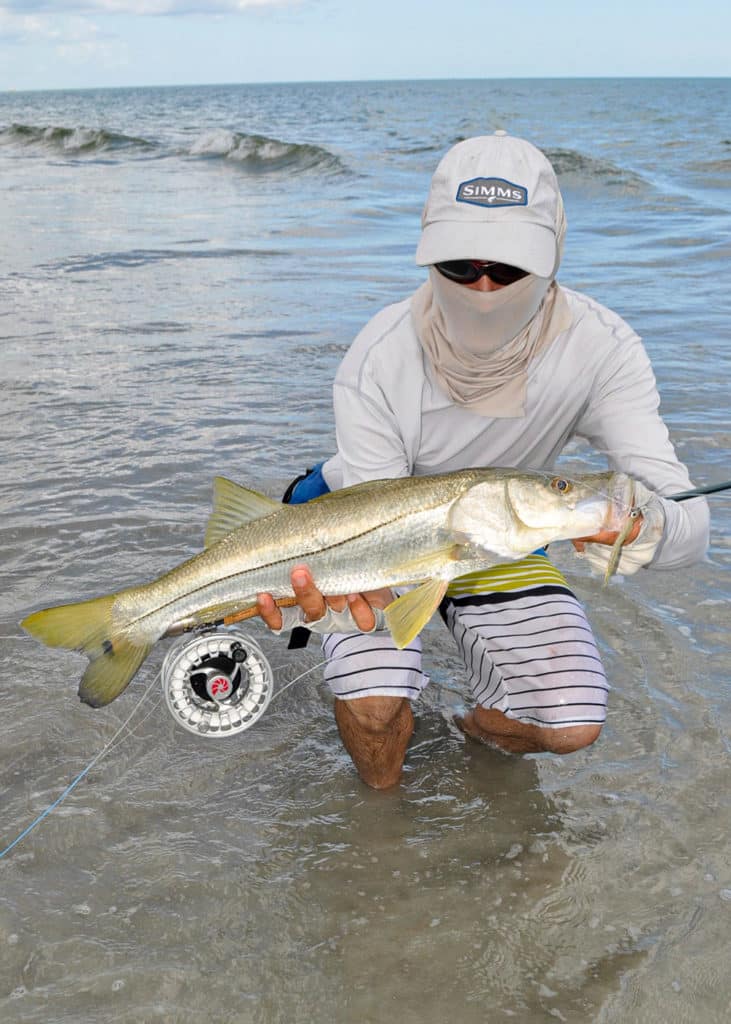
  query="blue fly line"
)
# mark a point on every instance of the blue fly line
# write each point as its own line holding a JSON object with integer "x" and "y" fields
{"x": 82, "y": 774}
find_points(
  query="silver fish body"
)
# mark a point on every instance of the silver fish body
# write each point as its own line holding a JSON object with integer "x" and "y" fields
{"x": 425, "y": 530}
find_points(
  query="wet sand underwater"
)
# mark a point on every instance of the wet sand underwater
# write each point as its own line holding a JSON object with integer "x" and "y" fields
{"x": 176, "y": 297}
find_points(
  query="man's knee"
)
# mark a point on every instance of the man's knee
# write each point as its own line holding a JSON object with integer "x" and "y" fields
{"x": 570, "y": 739}
{"x": 376, "y": 714}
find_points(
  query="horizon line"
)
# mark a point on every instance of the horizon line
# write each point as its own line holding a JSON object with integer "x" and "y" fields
{"x": 370, "y": 81}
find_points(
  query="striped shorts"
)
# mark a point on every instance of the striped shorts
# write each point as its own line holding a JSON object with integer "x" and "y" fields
{"x": 525, "y": 642}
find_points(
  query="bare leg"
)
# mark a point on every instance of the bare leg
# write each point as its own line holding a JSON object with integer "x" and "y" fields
{"x": 376, "y": 732}
{"x": 496, "y": 729}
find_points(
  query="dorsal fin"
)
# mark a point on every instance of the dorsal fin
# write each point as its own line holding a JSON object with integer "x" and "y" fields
{"x": 234, "y": 505}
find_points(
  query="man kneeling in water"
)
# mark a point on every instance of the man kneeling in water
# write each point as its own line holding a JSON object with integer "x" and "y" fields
{"x": 491, "y": 363}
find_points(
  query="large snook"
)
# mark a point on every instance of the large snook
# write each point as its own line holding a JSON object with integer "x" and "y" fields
{"x": 424, "y": 530}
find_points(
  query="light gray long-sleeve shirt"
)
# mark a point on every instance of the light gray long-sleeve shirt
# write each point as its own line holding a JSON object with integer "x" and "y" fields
{"x": 594, "y": 381}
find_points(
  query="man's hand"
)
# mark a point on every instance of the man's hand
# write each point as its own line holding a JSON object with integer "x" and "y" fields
{"x": 640, "y": 545}
{"x": 608, "y": 536}
{"x": 314, "y": 604}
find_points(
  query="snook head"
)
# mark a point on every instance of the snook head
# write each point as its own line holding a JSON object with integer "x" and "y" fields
{"x": 516, "y": 513}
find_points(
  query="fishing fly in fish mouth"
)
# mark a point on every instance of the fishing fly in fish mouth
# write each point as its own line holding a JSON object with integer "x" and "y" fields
{"x": 490, "y": 363}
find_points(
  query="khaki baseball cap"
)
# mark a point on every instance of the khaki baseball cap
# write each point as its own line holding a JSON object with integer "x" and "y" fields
{"x": 493, "y": 197}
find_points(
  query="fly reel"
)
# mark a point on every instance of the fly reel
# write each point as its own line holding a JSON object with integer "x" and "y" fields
{"x": 218, "y": 683}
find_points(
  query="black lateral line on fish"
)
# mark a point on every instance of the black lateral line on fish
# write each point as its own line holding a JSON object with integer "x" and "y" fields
{"x": 268, "y": 565}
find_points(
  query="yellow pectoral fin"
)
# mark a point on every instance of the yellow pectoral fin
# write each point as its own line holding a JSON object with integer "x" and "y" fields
{"x": 408, "y": 614}
{"x": 432, "y": 564}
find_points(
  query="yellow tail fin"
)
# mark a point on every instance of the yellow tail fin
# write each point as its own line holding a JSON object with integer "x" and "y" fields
{"x": 87, "y": 627}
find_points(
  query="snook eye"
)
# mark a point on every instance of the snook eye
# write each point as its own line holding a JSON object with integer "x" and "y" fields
{"x": 560, "y": 485}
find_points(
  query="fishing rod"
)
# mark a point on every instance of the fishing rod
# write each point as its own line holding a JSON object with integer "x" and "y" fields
{"x": 698, "y": 492}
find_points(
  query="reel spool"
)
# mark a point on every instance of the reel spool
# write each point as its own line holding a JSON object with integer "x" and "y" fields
{"x": 218, "y": 683}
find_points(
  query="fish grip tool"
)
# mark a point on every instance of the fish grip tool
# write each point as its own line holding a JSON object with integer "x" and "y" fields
{"x": 218, "y": 683}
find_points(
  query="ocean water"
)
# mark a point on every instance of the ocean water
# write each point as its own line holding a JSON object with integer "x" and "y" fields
{"x": 181, "y": 271}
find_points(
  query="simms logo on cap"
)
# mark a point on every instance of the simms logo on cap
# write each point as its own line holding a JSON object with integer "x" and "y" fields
{"x": 492, "y": 192}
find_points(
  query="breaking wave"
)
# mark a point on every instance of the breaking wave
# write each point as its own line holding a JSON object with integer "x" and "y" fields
{"x": 71, "y": 141}
{"x": 256, "y": 154}
{"x": 259, "y": 153}
{"x": 713, "y": 166}
{"x": 578, "y": 169}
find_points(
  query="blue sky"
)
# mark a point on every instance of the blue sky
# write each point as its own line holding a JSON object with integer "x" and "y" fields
{"x": 47, "y": 44}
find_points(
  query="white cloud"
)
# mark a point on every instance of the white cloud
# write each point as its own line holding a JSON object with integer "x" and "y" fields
{"x": 24, "y": 9}
{"x": 69, "y": 21}
{"x": 166, "y": 7}
{"x": 21, "y": 27}
{"x": 72, "y": 37}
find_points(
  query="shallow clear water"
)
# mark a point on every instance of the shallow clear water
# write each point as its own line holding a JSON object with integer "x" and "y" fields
{"x": 181, "y": 271}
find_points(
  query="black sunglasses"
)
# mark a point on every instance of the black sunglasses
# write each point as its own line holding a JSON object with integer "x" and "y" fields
{"x": 469, "y": 271}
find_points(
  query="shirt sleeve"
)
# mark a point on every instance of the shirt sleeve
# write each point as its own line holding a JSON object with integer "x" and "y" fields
{"x": 369, "y": 442}
{"x": 621, "y": 418}
{"x": 377, "y": 400}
